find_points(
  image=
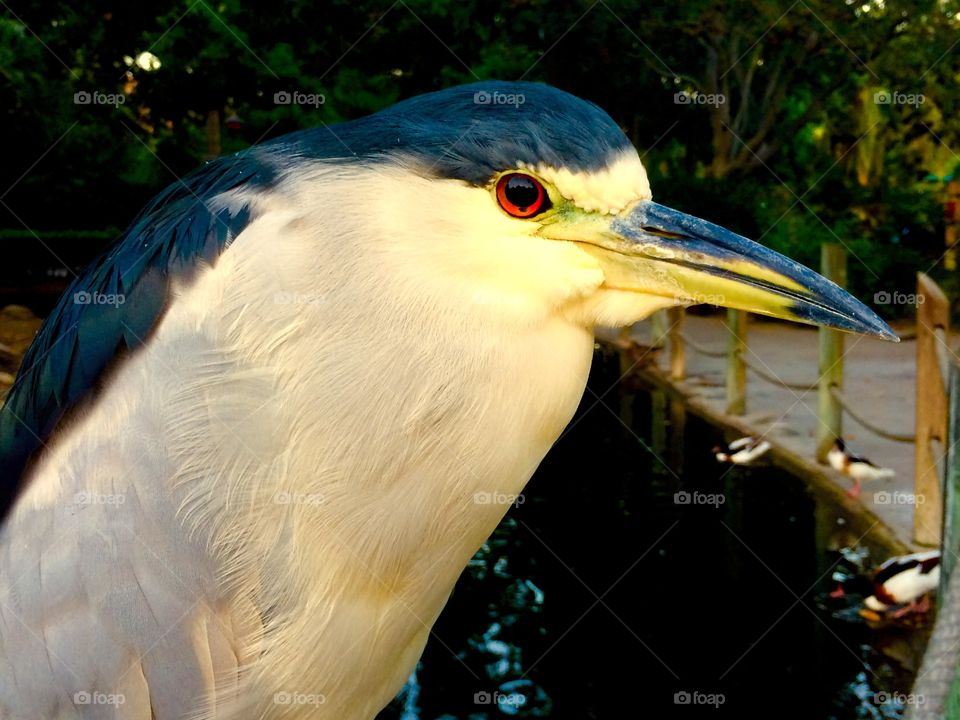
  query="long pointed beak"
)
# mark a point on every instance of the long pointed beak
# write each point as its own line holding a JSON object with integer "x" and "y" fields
{"x": 660, "y": 251}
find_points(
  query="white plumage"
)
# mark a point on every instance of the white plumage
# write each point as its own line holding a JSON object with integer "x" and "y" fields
{"x": 264, "y": 509}
{"x": 856, "y": 467}
{"x": 260, "y": 399}
{"x": 904, "y": 579}
{"x": 742, "y": 451}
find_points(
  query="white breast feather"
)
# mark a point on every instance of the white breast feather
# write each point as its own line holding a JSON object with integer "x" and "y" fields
{"x": 298, "y": 447}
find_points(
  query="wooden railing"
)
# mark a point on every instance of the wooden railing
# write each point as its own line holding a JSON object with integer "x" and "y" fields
{"x": 833, "y": 266}
{"x": 938, "y": 682}
{"x": 932, "y": 385}
{"x": 936, "y": 441}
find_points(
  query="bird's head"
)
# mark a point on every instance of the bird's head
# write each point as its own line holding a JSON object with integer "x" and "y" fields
{"x": 524, "y": 196}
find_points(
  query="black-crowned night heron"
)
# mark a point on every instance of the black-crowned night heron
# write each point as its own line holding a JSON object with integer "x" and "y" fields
{"x": 243, "y": 458}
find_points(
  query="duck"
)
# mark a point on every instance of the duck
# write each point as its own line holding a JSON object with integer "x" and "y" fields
{"x": 903, "y": 584}
{"x": 856, "y": 467}
{"x": 742, "y": 451}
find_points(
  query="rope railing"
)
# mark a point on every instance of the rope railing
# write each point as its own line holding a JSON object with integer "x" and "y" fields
{"x": 773, "y": 380}
{"x": 764, "y": 374}
{"x": 700, "y": 348}
{"x": 836, "y": 401}
{"x": 936, "y": 472}
{"x": 876, "y": 430}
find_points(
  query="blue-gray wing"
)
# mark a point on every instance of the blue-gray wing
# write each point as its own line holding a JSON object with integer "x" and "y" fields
{"x": 91, "y": 327}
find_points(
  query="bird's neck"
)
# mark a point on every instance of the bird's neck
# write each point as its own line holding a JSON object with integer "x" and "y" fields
{"x": 337, "y": 457}
{"x": 414, "y": 455}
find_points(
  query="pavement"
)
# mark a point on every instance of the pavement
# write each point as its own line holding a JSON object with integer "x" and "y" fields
{"x": 879, "y": 382}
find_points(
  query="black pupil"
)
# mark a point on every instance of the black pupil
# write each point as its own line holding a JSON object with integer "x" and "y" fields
{"x": 521, "y": 191}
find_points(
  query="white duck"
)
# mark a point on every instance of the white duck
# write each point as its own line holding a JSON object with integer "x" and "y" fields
{"x": 855, "y": 467}
{"x": 742, "y": 451}
{"x": 905, "y": 580}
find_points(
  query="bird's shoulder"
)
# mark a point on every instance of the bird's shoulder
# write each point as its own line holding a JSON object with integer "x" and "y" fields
{"x": 925, "y": 562}
{"x": 852, "y": 458}
{"x": 113, "y": 304}
{"x": 745, "y": 442}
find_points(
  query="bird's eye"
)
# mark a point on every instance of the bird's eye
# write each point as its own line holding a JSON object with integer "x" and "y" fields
{"x": 521, "y": 195}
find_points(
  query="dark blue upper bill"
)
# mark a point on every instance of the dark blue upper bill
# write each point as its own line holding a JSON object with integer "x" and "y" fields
{"x": 699, "y": 244}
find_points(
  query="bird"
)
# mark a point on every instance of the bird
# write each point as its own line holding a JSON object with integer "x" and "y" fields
{"x": 255, "y": 443}
{"x": 742, "y": 451}
{"x": 855, "y": 467}
{"x": 905, "y": 580}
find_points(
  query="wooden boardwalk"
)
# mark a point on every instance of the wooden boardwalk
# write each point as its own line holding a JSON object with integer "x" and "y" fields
{"x": 879, "y": 380}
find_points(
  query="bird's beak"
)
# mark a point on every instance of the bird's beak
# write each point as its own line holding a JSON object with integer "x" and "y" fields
{"x": 654, "y": 250}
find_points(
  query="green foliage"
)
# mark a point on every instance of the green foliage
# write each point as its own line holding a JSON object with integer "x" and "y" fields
{"x": 799, "y": 153}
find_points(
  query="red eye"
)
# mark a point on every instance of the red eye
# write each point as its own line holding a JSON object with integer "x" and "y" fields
{"x": 521, "y": 195}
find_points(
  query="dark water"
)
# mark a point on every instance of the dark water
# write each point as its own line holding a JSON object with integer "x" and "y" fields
{"x": 602, "y": 597}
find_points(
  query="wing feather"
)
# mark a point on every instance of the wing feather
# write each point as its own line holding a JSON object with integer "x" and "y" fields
{"x": 110, "y": 309}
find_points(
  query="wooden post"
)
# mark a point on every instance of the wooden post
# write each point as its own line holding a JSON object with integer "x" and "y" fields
{"x": 678, "y": 427}
{"x": 933, "y": 322}
{"x": 736, "y": 368}
{"x": 833, "y": 266}
{"x": 658, "y": 329}
{"x": 678, "y": 352}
